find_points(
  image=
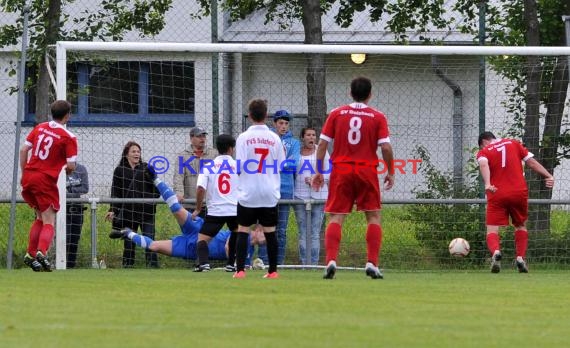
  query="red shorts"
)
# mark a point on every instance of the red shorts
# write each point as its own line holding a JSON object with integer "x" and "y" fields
{"x": 360, "y": 186}
{"x": 502, "y": 205}
{"x": 40, "y": 190}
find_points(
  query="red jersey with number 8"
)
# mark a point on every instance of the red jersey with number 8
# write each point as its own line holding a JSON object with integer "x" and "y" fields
{"x": 505, "y": 157}
{"x": 52, "y": 146}
{"x": 357, "y": 130}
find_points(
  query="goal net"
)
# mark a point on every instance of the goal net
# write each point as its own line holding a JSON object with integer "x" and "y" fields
{"x": 437, "y": 101}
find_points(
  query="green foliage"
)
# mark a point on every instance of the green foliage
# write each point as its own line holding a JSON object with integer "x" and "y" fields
{"x": 438, "y": 224}
{"x": 404, "y": 15}
{"x": 109, "y": 21}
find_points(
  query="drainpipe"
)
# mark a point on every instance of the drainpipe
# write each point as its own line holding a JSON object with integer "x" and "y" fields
{"x": 228, "y": 74}
{"x": 457, "y": 121}
{"x": 228, "y": 70}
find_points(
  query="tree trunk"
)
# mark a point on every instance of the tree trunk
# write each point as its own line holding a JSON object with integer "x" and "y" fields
{"x": 44, "y": 94}
{"x": 316, "y": 72}
{"x": 539, "y": 216}
{"x": 553, "y": 118}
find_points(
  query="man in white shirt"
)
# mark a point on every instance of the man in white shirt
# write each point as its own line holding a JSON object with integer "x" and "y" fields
{"x": 218, "y": 181}
{"x": 260, "y": 155}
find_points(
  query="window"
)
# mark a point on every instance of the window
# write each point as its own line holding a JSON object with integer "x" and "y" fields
{"x": 129, "y": 93}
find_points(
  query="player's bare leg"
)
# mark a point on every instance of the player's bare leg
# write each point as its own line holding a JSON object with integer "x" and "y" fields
{"x": 373, "y": 244}
{"x": 333, "y": 235}
{"x": 493, "y": 244}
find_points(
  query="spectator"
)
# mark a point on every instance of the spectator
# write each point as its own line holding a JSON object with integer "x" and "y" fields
{"x": 281, "y": 123}
{"x": 305, "y": 169}
{"x": 185, "y": 178}
{"x": 129, "y": 181}
{"x": 77, "y": 184}
{"x": 54, "y": 147}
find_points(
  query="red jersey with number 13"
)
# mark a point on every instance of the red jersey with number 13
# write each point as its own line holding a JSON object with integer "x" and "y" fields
{"x": 52, "y": 146}
{"x": 505, "y": 157}
{"x": 357, "y": 130}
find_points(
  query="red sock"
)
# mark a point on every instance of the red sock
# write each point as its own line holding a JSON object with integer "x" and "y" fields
{"x": 493, "y": 242}
{"x": 34, "y": 237}
{"x": 46, "y": 237}
{"x": 521, "y": 242}
{"x": 332, "y": 241}
{"x": 373, "y": 242}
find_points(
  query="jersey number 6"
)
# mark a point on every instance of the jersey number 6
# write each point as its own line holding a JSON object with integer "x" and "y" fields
{"x": 224, "y": 185}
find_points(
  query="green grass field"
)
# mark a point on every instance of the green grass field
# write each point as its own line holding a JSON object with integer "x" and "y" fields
{"x": 179, "y": 308}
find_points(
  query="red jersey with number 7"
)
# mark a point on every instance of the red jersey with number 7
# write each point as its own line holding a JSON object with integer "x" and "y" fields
{"x": 357, "y": 130}
{"x": 505, "y": 157}
{"x": 52, "y": 146}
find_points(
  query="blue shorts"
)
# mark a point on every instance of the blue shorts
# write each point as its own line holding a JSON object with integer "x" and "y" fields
{"x": 184, "y": 245}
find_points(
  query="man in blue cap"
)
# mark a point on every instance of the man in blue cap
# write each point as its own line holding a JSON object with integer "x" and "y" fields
{"x": 292, "y": 145}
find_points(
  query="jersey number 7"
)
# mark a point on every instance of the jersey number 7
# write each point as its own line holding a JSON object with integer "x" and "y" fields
{"x": 263, "y": 152}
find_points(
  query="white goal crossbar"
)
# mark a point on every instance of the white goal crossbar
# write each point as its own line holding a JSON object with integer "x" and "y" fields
{"x": 63, "y": 47}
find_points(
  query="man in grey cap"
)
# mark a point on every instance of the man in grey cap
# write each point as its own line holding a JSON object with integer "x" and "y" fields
{"x": 185, "y": 180}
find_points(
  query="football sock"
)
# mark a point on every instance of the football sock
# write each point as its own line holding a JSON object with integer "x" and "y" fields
{"x": 202, "y": 252}
{"x": 34, "y": 236}
{"x": 493, "y": 242}
{"x": 167, "y": 195}
{"x": 373, "y": 242}
{"x": 332, "y": 241}
{"x": 232, "y": 248}
{"x": 272, "y": 250}
{"x": 521, "y": 242}
{"x": 142, "y": 241}
{"x": 46, "y": 236}
{"x": 242, "y": 240}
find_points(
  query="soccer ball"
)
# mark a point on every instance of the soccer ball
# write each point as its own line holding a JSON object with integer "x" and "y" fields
{"x": 459, "y": 247}
{"x": 258, "y": 264}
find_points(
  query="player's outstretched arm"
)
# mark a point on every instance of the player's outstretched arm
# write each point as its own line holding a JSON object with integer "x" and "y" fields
{"x": 486, "y": 175}
{"x": 200, "y": 194}
{"x": 539, "y": 169}
{"x": 388, "y": 157}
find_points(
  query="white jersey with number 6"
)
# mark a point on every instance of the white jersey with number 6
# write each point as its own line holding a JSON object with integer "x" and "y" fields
{"x": 220, "y": 180}
{"x": 260, "y": 156}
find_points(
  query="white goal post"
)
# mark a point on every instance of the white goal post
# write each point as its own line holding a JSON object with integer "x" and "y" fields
{"x": 65, "y": 48}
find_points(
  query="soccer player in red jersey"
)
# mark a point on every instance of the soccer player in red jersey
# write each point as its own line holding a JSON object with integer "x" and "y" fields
{"x": 48, "y": 148}
{"x": 357, "y": 131}
{"x": 500, "y": 163}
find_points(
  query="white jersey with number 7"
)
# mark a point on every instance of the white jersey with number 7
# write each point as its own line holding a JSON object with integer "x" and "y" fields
{"x": 260, "y": 156}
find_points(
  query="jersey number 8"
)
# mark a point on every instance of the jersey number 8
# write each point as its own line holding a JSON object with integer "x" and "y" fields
{"x": 354, "y": 134}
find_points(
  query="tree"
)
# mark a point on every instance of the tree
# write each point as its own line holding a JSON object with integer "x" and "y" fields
{"x": 310, "y": 12}
{"x": 537, "y": 81}
{"x": 417, "y": 14}
{"x": 110, "y": 20}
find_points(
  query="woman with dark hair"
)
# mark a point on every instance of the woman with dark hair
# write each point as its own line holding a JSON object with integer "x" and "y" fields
{"x": 305, "y": 169}
{"x": 130, "y": 181}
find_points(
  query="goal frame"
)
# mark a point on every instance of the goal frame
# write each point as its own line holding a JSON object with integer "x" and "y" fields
{"x": 62, "y": 48}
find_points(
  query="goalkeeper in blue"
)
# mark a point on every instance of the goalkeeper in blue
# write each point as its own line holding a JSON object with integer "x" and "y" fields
{"x": 184, "y": 245}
